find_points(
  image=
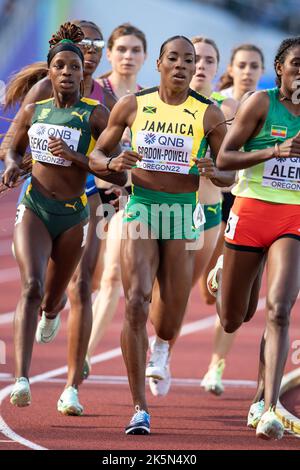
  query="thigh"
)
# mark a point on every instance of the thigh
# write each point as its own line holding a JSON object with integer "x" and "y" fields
{"x": 203, "y": 255}
{"x": 240, "y": 270}
{"x": 66, "y": 253}
{"x": 88, "y": 261}
{"x": 113, "y": 246}
{"x": 174, "y": 278}
{"x": 139, "y": 263}
{"x": 283, "y": 269}
{"x": 32, "y": 244}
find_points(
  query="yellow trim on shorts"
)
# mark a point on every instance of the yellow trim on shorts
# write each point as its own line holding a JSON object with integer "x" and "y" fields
{"x": 84, "y": 199}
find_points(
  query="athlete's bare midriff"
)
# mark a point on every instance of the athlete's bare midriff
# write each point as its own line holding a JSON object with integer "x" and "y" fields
{"x": 166, "y": 182}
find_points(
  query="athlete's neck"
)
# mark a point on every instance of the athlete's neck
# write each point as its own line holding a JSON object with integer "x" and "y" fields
{"x": 205, "y": 90}
{"x": 88, "y": 85}
{"x": 172, "y": 97}
{"x": 123, "y": 84}
{"x": 67, "y": 100}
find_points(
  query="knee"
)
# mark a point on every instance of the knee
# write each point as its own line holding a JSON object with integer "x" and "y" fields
{"x": 230, "y": 326}
{"x": 279, "y": 313}
{"x": 33, "y": 290}
{"x": 80, "y": 291}
{"x": 111, "y": 276}
{"x": 137, "y": 307}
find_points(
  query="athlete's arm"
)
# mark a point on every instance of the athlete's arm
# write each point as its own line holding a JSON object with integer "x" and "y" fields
{"x": 122, "y": 116}
{"x": 40, "y": 91}
{"x": 215, "y": 129}
{"x": 18, "y": 145}
{"x": 247, "y": 123}
{"x": 98, "y": 121}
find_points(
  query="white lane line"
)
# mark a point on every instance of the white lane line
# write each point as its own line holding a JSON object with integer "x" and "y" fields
{"x": 9, "y": 274}
{"x": 116, "y": 352}
{"x": 5, "y": 247}
{"x": 5, "y": 429}
{"x": 6, "y": 318}
{"x": 123, "y": 380}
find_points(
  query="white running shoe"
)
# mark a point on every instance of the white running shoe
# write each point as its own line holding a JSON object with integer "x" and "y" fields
{"x": 20, "y": 394}
{"x": 47, "y": 329}
{"x": 255, "y": 413}
{"x": 212, "y": 381}
{"x": 158, "y": 361}
{"x": 212, "y": 283}
{"x": 68, "y": 403}
{"x": 159, "y": 388}
{"x": 270, "y": 426}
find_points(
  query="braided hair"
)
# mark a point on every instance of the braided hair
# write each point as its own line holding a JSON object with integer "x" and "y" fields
{"x": 285, "y": 47}
{"x": 67, "y": 31}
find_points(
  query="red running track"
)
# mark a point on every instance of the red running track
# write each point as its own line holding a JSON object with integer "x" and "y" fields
{"x": 188, "y": 418}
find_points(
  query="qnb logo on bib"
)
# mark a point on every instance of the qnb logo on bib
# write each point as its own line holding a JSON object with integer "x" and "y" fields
{"x": 39, "y": 138}
{"x": 282, "y": 173}
{"x": 164, "y": 152}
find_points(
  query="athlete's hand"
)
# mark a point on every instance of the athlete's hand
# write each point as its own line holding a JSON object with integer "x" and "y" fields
{"x": 59, "y": 148}
{"x": 206, "y": 167}
{"x": 289, "y": 148}
{"x": 122, "y": 196}
{"x": 125, "y": 161}
{"x": 11, "y": 175}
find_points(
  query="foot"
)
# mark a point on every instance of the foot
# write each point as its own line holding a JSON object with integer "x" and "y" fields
{"x": 157, "y": 365}
{"x": 269, "y": 426}
{"x": 212, "y": 280}
{"x": 212, "y": 381}
{"x": 140, "y": 423}
{"x": 20, "y": 394}
{"x": 159, "y": 388}
{"x": 47, "y": 329}
{"x": 255, "y": 413}
{"x": 68, "y": 403}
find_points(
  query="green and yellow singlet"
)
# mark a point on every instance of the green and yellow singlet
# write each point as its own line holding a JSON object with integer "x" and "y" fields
{"x": 169, "y": 136}
{"x": 70, "y": 124}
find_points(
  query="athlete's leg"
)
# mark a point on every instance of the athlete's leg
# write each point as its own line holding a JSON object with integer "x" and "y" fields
{"x": 239, "y": 276}
{"x": 283, "y": 284}
{"x": 139, "y": 263}
{"x": 33, "y": 245}
{"x": 106, "y": 302}
{"x": 66, "y": 253}
{"x": 79, "y": 292}
{"x": 217, "y": 250}
{"x": 174, "y": 276}
{"x": 203, "y": 255}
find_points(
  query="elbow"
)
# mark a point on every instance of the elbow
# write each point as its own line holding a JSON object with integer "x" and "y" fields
{"x": 223, "y": 163}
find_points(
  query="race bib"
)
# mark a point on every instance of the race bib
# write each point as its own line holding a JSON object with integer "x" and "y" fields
{"x": 20, "y": 213}
{"x": 198, "y": 216}
{"x": 164, "y": 152}
{"x": 39, "y": 138}
{"x": 282, "y": 173}
{"x": 231, "y": 225}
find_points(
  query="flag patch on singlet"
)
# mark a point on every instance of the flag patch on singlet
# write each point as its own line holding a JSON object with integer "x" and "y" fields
{"x": 279, "y": 131}
{"x": 149, "y": 109}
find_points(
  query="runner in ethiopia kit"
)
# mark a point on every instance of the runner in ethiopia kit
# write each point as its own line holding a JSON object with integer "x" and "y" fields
{"x": 265, "y": 223}
{"x": 171, "y": 128}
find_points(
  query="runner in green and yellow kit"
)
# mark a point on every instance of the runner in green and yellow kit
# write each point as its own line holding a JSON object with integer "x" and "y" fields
{"x": 52, "y": 219}
{"x": 171, "y": 127}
